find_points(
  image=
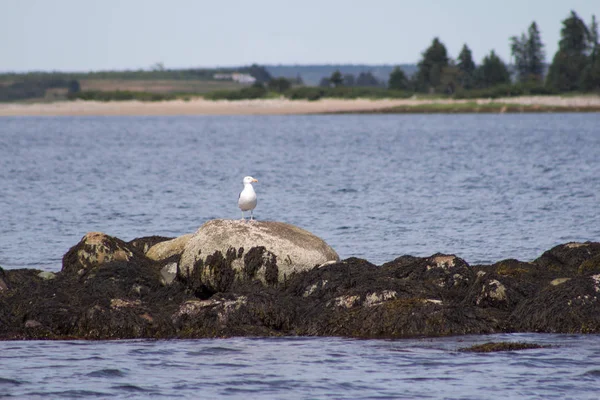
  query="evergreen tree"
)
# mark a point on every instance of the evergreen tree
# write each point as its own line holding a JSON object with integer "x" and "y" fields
{"x": 258, "y": 72}
{"x": 570, "y": 61}
{"x": 398, "y": 80}
{"x": 517, "y": 48}
{"x": 349, "y": 80}
{"x": 429, "y": 72}
{"x": 73, "y": 86}
{"x": 325, "y": 82}
{"x": 535, "y": 53}
{"x": 492, "y": 71}
{"x": 280, "y": 84}
{"x": 366, "y": 79}
{"x": 591, "y": 74}
{"x": 336, "y": 79}
{"x": 450, "y": 79}
{"x": 528, "y": 52}
{"x": 594, "y": 39}
{"x": 466, "y": 67}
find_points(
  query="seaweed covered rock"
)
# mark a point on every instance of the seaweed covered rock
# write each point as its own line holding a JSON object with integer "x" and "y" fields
{"x": 111, "y": 289}
{"x": 405, "y": 298}
{"x": 223, "y": 251}
{"x": 117, "y": 298}
{"x": 94, "y": 250}
{"x": 3, "y": 285}
{"x": 566, "y": 306}
{"x": 147, "y": 242}
{"x": 569, "y": 257}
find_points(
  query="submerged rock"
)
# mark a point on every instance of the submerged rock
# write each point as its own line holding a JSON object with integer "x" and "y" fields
{"x": 188, "y": 288}
{"x": 493, "y": 347}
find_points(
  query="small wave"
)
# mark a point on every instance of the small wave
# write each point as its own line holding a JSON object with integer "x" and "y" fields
{"x": 594, "y": 373}
{"x": 147, "y": 352}
{"x": 231, "y": 365}
{"x": 107, "y": 373}
{"x": 131, "y": 388}
{"x": 212, "y": 351}
{"x": 8, "y": 381}
{"x": 70, "y": 394}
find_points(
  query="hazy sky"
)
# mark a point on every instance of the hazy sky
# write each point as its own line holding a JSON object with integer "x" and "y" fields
{"x": 82, "y": 35}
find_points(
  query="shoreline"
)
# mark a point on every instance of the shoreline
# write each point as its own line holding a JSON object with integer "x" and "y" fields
{"x": 282, "y": 106}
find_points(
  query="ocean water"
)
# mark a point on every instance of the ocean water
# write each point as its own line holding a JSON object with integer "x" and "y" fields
{"x": 483, "y": 187}
{"x": 301, "y": 368}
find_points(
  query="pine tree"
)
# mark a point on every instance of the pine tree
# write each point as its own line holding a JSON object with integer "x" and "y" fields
{"x": 398, "y": 80}
{"x": 591, "y": 74}
{"x": 528, "y": 52}
{"x": 594, "y": 39}
{"x": 535, "y": 53}
{"x": 336, "y": 79}
{"x": 466, "y": 67}
{"x": 492, "y": 71}
{"x": 429, "y": 72}
{"x": 570, "y": 61}
{"x": 517, "y": 48}
{"x": 366, "y": 79}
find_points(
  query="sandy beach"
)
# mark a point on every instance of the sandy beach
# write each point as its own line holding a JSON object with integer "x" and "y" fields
{"x": 280, "y": 106}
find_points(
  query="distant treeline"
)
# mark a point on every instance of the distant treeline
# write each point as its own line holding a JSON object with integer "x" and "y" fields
{"x": 21, "y": 86}
{"x": 157, "y": 72}
{"x": 36, "y": 88}
{"x": 575, "y": 67}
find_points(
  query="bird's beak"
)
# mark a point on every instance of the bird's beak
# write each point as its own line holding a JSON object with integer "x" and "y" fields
{"x": 254, "y": 180}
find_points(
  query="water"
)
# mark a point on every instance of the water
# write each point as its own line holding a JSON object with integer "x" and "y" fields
{"x": 301, "y": 368}
{"x": 485, "y": 187}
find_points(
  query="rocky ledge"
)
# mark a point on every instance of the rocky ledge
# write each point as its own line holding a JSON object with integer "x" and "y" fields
{"x": 234, "y": 278}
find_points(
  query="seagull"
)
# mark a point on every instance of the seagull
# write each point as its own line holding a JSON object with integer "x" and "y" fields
{"x": 247, "y": 199}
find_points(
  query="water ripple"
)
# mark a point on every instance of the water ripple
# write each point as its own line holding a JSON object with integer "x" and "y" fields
{"x": 107, "y": 373}
{"x": 373, "y": 187}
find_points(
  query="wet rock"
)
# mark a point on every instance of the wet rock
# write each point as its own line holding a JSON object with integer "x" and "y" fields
{"x": 492, "y": 347}
{"x": 223, "y": 251}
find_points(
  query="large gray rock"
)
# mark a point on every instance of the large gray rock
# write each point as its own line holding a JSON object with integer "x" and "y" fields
{"x": 222, "y": 251}
{"x": 169, "y": 248}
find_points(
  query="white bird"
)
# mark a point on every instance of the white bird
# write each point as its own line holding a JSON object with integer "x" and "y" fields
{"x": 247, "y": 199}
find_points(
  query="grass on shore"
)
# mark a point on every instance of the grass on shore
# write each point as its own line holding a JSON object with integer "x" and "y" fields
{"x": 474, "y": 107}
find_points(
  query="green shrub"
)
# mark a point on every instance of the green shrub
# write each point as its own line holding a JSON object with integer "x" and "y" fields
{"x": 120, "y": 95}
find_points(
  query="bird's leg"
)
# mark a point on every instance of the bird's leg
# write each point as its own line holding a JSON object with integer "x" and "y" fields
{"x": 251, "y": 216}
{"x": 243, "y": 218}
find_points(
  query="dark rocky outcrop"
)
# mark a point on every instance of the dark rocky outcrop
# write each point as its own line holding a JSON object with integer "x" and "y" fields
{"x": 109, "y": 288}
